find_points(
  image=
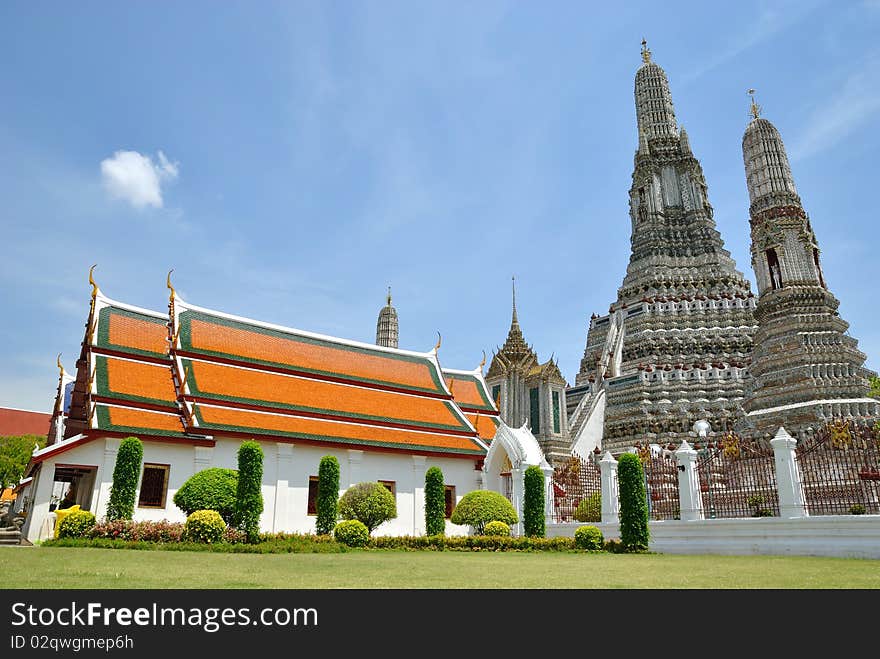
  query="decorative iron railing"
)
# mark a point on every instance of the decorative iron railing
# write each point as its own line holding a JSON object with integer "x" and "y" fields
{"x": 661, "y": 481}
{"x": 574, "y": 482}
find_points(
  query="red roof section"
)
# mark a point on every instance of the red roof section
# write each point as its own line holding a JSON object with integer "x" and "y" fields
{"x": 23, "y": 422}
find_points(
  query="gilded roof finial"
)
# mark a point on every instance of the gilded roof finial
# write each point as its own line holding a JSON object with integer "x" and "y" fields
{"x": 482, "y": 363}
{"x": 439, "y": 341}
{"x": 646, "y": 52}
{"x": 92, "y": 281}
{"x": 168, "y": 284}
{"x": 389, "y": 296}
{"x": 60, "y": 367}
{"x": 755, "y": 109}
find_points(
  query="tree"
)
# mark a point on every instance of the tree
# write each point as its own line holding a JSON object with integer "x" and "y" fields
{"x": 533, "y": 504}
{"x": 328, "y": 495}
{"x": 15, "y": 453}
{"x": 369, "y": 503}
{"x": 435, "y": 502}
{"x": 633, "y": 503}
{"x": 249, "y": 495}
{"x": 478, "y": 508}
{"x": 209, "y": 489}
{"x": 126, "y": 474}
{"x": 874, "y": 391}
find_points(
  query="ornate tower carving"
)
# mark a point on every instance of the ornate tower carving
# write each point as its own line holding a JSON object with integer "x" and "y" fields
{"x": 675, "y": 345}
{"x": 386, "y": 326}
{"x": 805, "y": 368}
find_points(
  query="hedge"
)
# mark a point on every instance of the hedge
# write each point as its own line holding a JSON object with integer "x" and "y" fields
{"x": 633, "y": 503}
{"x": 435, "y": 502}
{"x": 533, "y": 504}
{"x": 126, "y": 474}
{"x": 328, "y": 495}
{"x": 249, "y": 495}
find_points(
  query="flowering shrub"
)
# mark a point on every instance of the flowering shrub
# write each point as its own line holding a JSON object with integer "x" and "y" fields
{"x": 162, "y": 531}
{"x": 204, "y": 526}
{"x": 588, "y": 537}
{"x": 497, "y": 528}
{"x": 351, "y": 532}
{"x": 76, "y": 524}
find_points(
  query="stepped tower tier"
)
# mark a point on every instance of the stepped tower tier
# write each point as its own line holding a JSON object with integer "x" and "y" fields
{"x": 386, "y": 327}
{"x": 675, "y": 344}
{"x": 805, "y": 369}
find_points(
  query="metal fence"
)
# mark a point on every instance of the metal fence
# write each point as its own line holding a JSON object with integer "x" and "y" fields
{"x": 840, "y": 470}
{"x": 576, "y": 481}
{"x": 661, "y": 481}
{"x": 737, "y": 478}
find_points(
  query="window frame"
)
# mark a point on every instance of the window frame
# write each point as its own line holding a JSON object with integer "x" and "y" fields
{"x": 309, "y": 513}
{"x": 449, "y": 505}
{"x": 166, "y": 469}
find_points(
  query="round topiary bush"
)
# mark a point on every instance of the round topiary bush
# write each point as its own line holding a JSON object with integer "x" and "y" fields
{"x": 589, "y": 537}
{"x": 496, "y": 528}
{"x": 204, "y": 526}
{"x": 352, "y": 532}
{"x": 478, "y": 508}
{"x": 209, "y": 489}
{"x": 369, "y": 503}
{"x": 590, "y": 509}
{"x": 76, "y": 524}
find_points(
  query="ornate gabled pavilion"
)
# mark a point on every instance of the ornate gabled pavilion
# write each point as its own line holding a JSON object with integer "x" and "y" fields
{"x": 193, "y": 383}
{"x": 806, "y": 369}
{"x": 675, "y": 345}
{"x": 527, "y": 391}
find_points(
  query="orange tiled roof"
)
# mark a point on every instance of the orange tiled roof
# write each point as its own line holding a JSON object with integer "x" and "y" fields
{"x": 132, "y": 332}
{"x": 135, "y": 381}
{"x": 486, "y": 425}
{"x": 244, "y": 421}
{"x": 126, "y": 419}
{"x": 468, "y": 391}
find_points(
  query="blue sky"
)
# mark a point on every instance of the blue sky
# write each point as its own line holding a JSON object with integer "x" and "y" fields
{"x": 290, "y": 160}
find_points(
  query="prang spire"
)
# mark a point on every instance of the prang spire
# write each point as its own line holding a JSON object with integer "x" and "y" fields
{"x": 387, "y": 330}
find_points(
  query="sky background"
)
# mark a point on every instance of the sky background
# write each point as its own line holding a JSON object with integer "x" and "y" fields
{"x": 291, "y": 160}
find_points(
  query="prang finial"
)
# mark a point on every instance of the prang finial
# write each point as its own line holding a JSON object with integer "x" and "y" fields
{"x": 92, "y": 281}
{"x": 646, "y": 52}
{"x": 168, "y": 284}
{"x": 755, "y": 109}
{"x": 389, "y": 296}
{"x": 482, "y": 363}
{"x": 60, "y": 367}
{"x": 439, "y": 341}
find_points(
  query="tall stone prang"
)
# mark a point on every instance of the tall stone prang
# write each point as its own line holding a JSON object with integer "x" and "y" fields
{"x": 525, "y": 390}
{"x": 805, "y": 369}
{"x": 386, "y": 327}
{"x": 675, "y": 345}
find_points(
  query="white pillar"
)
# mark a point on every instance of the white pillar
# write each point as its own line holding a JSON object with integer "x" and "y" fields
{"x": 548, "y": 491}
{"x": 111, "y": 449}
{"x": 689, "y": 499}
{"x": 788, "y": 476}
{"x": 610, "y": 491}
{"x": 516, "y": 479}
{"x": 202, "y": 458}
{"x": 281, "y": 513}
{"x": 418, "y": 523}
{"x": 355, "y": 458}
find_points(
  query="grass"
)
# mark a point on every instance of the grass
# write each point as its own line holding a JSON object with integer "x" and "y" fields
{"x": 67, "y": 567}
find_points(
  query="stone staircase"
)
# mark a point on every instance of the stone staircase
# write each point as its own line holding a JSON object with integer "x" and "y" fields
{"x": 10, "y": 537}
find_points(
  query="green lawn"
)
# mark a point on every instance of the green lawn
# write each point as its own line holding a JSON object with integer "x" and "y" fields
{"x": 65, "y": 567}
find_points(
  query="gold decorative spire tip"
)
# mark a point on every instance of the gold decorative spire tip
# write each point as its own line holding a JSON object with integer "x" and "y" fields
{"x": 92, "y": 280}
{"x": 755, "y": 109}
{"x": 169, "y": 285}
{"x": 439, "y": 341}
{"x": 483, "y": 363}
{"x": 58, "y": 362}
{"x": 646, "y": 52}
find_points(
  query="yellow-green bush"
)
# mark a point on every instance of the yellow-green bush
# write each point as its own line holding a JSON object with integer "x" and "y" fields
{"x": 76, "y": 524}
{"x": 204, "y": 526}
{"x": 352, "y": 532}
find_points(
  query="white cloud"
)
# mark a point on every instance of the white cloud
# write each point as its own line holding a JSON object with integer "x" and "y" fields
{"x": 135, "y": 178}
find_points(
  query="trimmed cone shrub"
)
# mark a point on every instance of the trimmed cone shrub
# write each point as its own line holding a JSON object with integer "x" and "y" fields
{"x": 590, "y": 509}
{"x": 204, "y": 526}
{"x": 126, "y": 474}
{"x": 533, "y": 505}
{"x": 497, "y": 528}
{"x": 589, "y": 537}
{"x": 352, "y": 532}
{"x": 478, "y": 508}
{"x": 249, "y": 495}
{"x": 370, "y": 503}
{"x": 633, "y": 503}
{"x": 209, "y": 489}
{"x": 328, "y": 495}
{"x": 77, "y": 524}
{"x": 435, "y": 502}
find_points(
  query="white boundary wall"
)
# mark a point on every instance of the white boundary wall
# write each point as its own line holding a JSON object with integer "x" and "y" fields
{"x": 851, "y": 536}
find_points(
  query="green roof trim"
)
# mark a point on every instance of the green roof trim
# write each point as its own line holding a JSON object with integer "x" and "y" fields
{"x": 103, "y": 386}
{"x": 103, "y": 331}
{"x": 330, "y": 438}
{"x": 185, "y": 321}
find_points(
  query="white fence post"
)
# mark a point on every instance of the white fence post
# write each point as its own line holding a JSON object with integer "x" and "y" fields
{"x": 610, "y": 493}
{"x": 689, "y": 500}
{"x": 788, "y": 476}
{"x": 548, "y": 491}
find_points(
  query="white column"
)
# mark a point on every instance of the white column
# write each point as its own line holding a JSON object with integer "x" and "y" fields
{"x": 518, "y": 486}
{"x": 283, "y": 461}
{"x": 548, "y": 491}
{"x": 610, "y": 491}
{"x": 788, "y": 476}
{"x": 418, "y": 474}
{"x": 202, "y": 458}
{"x": 690, "y": 501}
{"x": 111, "y": 449}
{"x": 355, "y": 458}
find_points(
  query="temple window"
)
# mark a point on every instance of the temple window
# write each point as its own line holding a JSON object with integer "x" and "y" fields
{"x": 773, "y": 266}
{"x": 534, "y": 410}
{"x": 449, "y": 495}
{"x": 391, "y": 486}
{"x": 556, "y": 425}
{"x": 312, "y": 506}
{"x": 154, "y": 486}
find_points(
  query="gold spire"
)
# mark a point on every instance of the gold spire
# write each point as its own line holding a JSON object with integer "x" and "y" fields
{"x": 755, "y": 109}
{"x": 168, "y": 284}
{"x": 389, "y": 296}
{"x": 646, "y": 52}
{"x": 60, "y": 367}
{"x": 439, "y": 341}
{"x": 92, "y": 281}
{"x": 513, "y": 284}
{"x": 482, "y": 363}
